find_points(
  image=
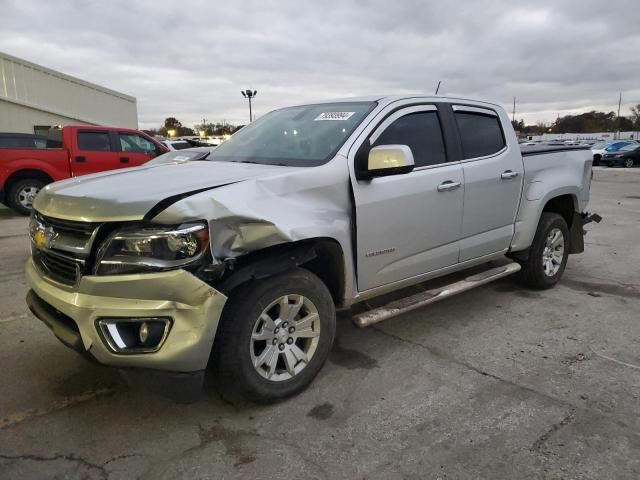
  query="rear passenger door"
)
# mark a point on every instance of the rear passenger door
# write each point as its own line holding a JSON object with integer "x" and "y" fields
{"x": 408, "y": 225}
{"x": 493, "y": 175}
{"x": 92, "y": 152}
{"x": 134, "y": 149}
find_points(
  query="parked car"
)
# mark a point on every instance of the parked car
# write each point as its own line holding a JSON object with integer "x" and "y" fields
{"x": 244, "y": 258}
{"x": 599, "y": 150}
{"x": 70, "y": 152}
{"x": 627, "y": 156}
{"x": 180, "y": 156}
{"x": 22, "y": 140}
{"x": 176, "y": 144}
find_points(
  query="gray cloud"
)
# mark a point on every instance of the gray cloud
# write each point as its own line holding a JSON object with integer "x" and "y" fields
{"x": 192, "y": 60}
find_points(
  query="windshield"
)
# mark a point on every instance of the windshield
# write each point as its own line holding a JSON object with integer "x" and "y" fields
{"x": 179, "y": 156}
{"x": 303, "y": 136}
{"x": 629, "y": 148}
{"x": 614, "y": 147}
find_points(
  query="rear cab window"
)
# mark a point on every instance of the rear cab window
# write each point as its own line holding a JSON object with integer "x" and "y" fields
{"x": 481, "y": 134}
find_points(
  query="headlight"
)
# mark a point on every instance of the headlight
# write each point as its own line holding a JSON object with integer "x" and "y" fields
{"x": 152, "y": 248}
{"x": 619, "y": 155}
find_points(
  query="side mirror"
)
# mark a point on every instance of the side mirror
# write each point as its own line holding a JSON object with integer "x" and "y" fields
{"x": 388, "y": 160}
{"x": 158, "y": 150}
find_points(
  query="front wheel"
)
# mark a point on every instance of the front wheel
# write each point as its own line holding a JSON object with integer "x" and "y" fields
{"x": 22, "y": 194}
{"x": 628, "y": 162}
{"x": 548, "y": 253}
{"x": 274, "y": 336}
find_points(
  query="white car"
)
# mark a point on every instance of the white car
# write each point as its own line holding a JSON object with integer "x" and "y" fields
{"x": 599, "y": 149}
{"x": 176, "y": 144}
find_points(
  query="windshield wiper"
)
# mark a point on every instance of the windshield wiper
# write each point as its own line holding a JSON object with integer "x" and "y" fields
{"x": 259, "y": 163}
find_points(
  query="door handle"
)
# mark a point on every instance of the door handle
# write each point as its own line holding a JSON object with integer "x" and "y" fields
{"x": 124, "y": 159}
{"x": 509, "y": 174}
{"x": 81, "y": 159}
{"x": 448, "y": 186}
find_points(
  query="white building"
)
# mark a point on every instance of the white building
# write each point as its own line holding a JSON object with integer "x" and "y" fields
{"x": 33, "y": 98}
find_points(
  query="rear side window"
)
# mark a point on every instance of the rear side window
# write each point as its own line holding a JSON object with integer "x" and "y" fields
{"x": 94, "y": 141}
{"x": 481, "y": 135}
{"x": 421, "y": 132}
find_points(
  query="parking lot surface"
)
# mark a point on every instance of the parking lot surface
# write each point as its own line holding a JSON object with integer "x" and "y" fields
{"x": 499, "y": 382}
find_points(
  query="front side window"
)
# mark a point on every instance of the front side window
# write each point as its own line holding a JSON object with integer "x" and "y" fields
{"x": 132, "y": 142}
{"x": 481, "y": 135}
{"x": 421, "y": 132}
{"x": 303, "y": 136}
{"x": 94, "y": 141}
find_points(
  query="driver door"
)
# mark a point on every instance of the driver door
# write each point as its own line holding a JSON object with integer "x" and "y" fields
{"x": 409, "y": 224}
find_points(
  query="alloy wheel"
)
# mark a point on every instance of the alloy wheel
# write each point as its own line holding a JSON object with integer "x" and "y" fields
{"x": 27, "y": 195}
{"x": 553, "y": 252}
{"x": 285, "y": 337}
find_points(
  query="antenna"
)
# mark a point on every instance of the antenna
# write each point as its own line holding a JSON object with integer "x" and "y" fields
{"x": 438, "y": 87}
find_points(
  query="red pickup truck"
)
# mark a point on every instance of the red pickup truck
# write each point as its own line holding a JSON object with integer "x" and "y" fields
{"x": 26, "y": 165}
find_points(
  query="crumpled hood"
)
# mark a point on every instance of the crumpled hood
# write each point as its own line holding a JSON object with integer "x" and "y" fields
{"x": 128, "y": 194}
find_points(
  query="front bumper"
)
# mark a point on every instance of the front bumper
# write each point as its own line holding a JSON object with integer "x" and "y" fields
{"x": 72, "y": 314}
{"x": 611, "y": 162}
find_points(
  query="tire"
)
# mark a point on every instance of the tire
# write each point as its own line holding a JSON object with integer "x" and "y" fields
{"x": 628, "y": 162}
{"x": 596, "y": 160}
{"x": 235, "y": 350}
{"x": 21, "y": 194}
{"x": 534, "y": 273}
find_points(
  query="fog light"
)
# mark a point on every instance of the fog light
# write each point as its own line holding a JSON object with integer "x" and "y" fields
{"x": 134, "y": 335}
{"x": 144, "y": 333}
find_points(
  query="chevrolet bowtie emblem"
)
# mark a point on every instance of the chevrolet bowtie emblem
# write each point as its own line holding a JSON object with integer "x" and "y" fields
{"x": 44, "y": 237}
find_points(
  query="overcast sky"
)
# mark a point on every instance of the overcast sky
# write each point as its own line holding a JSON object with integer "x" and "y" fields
{"x": 191, "y": 59}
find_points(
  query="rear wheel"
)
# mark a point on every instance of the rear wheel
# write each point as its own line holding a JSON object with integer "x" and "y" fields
{"x": 275, "y": 335}
{"x": 628, "y": 162}
{"x": 22, "y": 194}
{"x": 548, "y": 253}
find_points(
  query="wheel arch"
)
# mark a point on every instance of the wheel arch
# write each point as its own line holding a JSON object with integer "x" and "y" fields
{"x": 322, "y": 256}
{"x": 564, "y": 205}
{"x": 24, "y": 174}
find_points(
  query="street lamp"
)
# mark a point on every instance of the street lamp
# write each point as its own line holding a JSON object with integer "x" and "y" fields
{"x": 248, "y": 94}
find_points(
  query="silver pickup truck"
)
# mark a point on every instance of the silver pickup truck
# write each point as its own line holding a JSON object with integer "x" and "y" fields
{"x": 238, "y": 258}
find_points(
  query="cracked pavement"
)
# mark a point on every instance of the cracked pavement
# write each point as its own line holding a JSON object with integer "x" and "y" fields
{"x": 498, "y": 382}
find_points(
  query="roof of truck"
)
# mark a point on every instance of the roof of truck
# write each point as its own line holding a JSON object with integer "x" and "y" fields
{"x": 386, "y": 99}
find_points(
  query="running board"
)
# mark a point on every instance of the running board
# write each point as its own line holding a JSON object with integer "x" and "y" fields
{"x": 418, "y": 300}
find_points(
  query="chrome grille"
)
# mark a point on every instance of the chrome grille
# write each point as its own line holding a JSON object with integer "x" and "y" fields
{"x": 73, "y": 227}
{"x": 58, "y": 267}
{"x": 61, "y": 248}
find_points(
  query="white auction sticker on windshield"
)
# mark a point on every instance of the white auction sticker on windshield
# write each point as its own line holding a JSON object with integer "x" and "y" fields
{"x": 333, "y": 116}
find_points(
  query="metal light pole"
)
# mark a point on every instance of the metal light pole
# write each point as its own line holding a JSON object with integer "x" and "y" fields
{"x": 248, "y": 94}
{"x": 619, "y": 103}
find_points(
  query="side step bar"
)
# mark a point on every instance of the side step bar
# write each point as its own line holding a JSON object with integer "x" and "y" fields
{"x": 418, "y": 300}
